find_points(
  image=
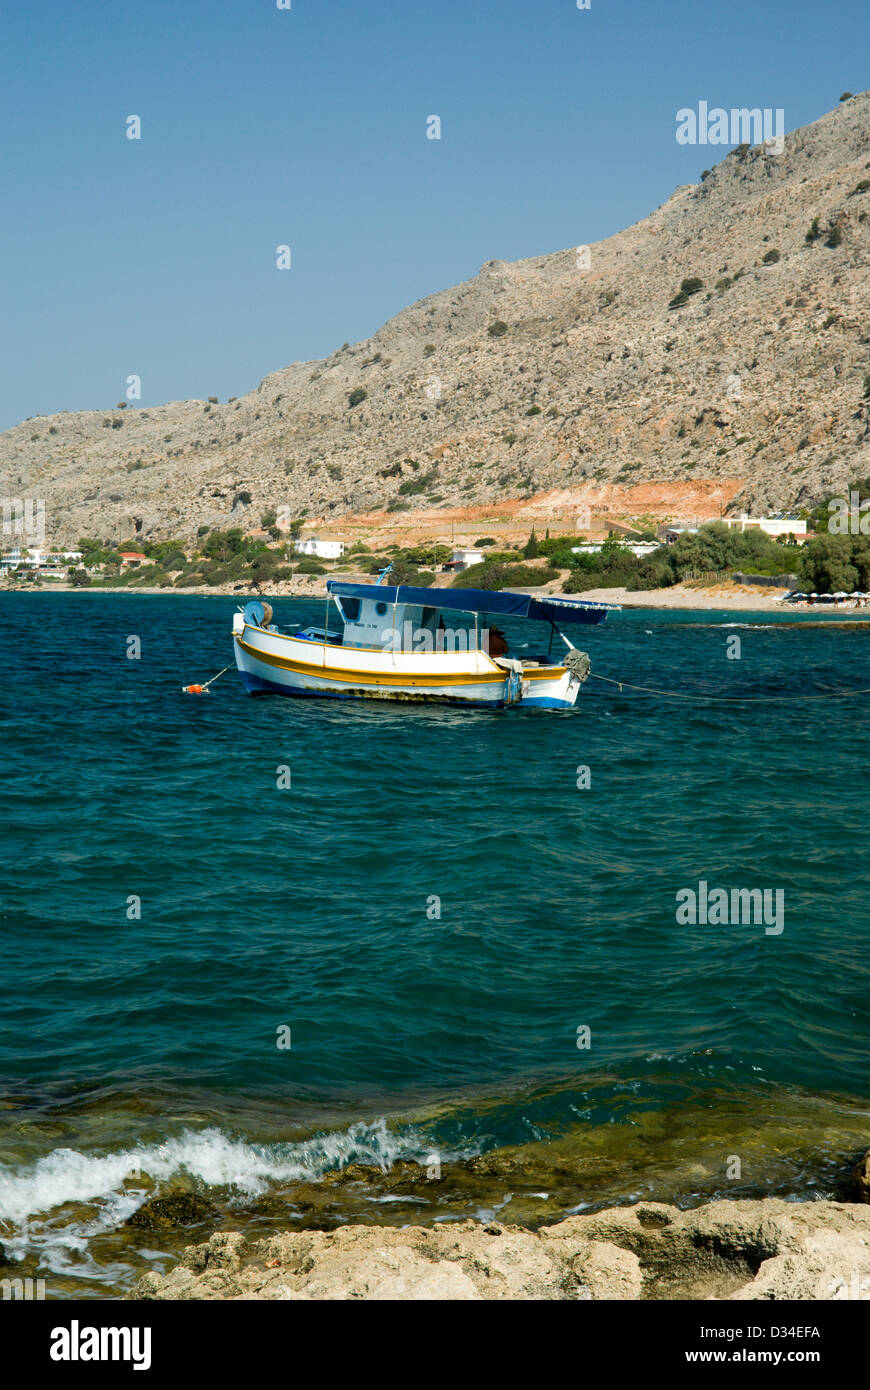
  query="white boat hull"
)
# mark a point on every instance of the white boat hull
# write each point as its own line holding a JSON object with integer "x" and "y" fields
{"x": 271, "y": 662}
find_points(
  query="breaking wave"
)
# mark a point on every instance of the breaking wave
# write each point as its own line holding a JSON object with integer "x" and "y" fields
{"x": 210, "y": 1157}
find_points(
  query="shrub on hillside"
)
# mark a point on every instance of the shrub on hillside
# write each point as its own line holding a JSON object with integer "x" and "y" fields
{"x": 492, "y": 575}
{"x": 835, "y": 235}
{"x": 420, "y": 483}
{"x": 424, "y": 554}
{"x": 691, "y": 285}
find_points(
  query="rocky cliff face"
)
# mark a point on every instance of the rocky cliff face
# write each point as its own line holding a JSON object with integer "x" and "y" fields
{"x": 551, "y": 373}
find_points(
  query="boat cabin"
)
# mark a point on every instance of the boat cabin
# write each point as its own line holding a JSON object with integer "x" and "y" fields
{"x": 373, "y": 622}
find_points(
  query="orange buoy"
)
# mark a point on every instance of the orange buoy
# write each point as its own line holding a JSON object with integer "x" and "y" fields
{"x": 204, "y": 688}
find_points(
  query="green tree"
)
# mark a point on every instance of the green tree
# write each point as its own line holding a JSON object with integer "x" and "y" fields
{"x": 168, "y": 554}
{"x": 223, "y": 545}
{"x": 861, "y": 561}
{"x": 826, "y": 565}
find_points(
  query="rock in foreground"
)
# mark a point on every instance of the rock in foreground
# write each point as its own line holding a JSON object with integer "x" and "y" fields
{"x": 769, "y": 1249}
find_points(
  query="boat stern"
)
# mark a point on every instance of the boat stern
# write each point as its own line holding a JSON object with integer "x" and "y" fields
{"x": 557, "y": 687}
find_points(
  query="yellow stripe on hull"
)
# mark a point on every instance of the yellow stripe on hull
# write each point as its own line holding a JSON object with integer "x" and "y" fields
{"x": 347, "y": 675}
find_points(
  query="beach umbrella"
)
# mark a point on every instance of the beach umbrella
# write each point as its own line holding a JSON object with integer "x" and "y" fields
{"x": 839, "y": 594}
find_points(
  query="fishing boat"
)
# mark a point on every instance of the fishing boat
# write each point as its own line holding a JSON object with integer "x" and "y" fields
{"x": 400, "y": 642}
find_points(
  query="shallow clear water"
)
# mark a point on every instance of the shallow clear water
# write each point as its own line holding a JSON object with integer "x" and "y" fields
{"x": 150, "y": 1044}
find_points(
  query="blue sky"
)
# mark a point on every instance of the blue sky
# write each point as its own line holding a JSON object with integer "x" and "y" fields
{"x": 307, "y": 127}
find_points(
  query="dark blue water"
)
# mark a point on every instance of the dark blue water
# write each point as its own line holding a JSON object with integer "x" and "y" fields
{"x": 432, "y": 908}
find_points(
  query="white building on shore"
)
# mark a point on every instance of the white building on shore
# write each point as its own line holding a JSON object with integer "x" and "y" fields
{"x": 322, "y": 549}
{"x": 780, "y": 524}
{"x": 638, "y": 548}
{"x": 464, "y": 559}
{"x": 36, "y": 558}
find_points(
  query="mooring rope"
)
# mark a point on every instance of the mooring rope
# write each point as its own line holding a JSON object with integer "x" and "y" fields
{"x": 198, "y": 689}
{"x": 214, "y": 678}
{"x": 752, "y": 699}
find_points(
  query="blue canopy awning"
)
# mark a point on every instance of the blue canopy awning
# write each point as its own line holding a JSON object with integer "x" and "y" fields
{"x": 550, "y": 610}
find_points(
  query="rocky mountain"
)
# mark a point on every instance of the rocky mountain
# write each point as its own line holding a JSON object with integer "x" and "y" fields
{"x": 559, "y": 372}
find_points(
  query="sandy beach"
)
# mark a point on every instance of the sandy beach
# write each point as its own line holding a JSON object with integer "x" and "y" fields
{"x": 737, "y": 597}
{"x": 742, "y": 598}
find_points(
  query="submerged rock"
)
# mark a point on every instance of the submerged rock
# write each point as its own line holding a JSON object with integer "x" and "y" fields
{"x": 401, "y": 1174}
{"x": 861, "y": 1179}
{"x": 727, "y": 1250}
{"x": 162, "y": 1213}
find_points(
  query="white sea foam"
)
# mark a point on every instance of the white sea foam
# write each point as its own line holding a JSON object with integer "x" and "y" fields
{"x": 34, "y": 1200}
{"x": 210, "y": 1157}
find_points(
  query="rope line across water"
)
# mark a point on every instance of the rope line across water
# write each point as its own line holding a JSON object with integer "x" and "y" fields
{"x": 741, "y": 699}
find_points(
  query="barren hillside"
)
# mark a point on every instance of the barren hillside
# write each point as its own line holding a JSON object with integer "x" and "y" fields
{"x": 539, "y": 376}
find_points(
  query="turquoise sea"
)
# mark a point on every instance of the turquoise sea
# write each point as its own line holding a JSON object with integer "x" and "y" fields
{"x": 432, "y": 908}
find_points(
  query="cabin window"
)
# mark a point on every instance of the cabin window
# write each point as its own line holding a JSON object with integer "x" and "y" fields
{"x": 350, "y": 609}
{"x": 380, "y": 609}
